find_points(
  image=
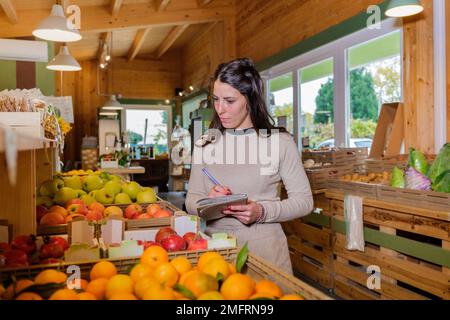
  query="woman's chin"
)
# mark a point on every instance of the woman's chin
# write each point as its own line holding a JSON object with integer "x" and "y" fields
{"x": 227, "y": 125}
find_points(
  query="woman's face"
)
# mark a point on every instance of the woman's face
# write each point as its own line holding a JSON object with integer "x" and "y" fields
{"x": 231, "y": 106}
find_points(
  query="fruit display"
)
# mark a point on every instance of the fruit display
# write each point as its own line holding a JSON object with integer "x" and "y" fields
{"x": 372, "y": 178}
{"x": 171, "y": 241}
{"x": 311, "y": 164}
{"x": 155, "y": 276}
{"x": 24, "y": 251}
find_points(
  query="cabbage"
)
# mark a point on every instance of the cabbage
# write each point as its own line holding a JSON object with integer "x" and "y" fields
{"x": 416, "y": 181}
{"x": 441, "y": 164}
{"x": 418, "y": 161}
{"x": 442, "y": 182}
{"x": 397, "y": 178}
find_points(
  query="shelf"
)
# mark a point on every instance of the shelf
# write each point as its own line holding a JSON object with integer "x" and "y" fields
{"x": 125, "y": 170}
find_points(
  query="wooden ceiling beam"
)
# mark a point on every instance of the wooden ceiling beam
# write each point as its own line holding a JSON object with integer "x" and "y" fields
{"x": 173, "y": 35}
{"x": 137, "y": 43}
{"x": 115, "y": 7}
{"x": 10, "y": 11}
{"x": 202, "y": 3}
{"x": 160, "y": 5}
{"x": 96, "y": 19}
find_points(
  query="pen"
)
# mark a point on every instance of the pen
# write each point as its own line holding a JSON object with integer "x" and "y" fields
{"x": 209, "y": 175}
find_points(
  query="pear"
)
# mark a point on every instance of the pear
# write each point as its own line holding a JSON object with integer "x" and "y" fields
{"x": 44, "y": 201}
{"x": 91, "y": 183}
{"x": 65, "y": 194}
{"x": 122, "y": 198}
{"x": 73, "y": 182}
{"x": 131, "y": 189}
{"x": 87, "y": 199}
{"x": 48, "y": 188}
{"x": 104, "y": 196}
{"x": 147, "y": 196}
{"x": 113, "y": 186}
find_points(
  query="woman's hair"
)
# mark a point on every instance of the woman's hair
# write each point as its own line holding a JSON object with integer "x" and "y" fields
{"x": 242, "y": 75}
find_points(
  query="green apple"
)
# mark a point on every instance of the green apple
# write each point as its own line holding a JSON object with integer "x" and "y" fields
{"x": 148, "y": 196}
{"x": 146, "y": 188}
{"x": 113, "y": 186}
{"x": 73, "y": 182}
{"x": 131, "y": 189}
{"x": 59, "y": 182}
{"x": 104, "y": 196}
{"x": 44, "y": 201}
{"x": 81, "y": 193}
{"x": 92, "y": 193}
{"x": 48, "y": 188}
{"x": 87, "y": 199}
{"x": 122, "y": 198}
{"x": 65, "y": 194}
{"x": 116, "y": 178}
{"x": 91, "y": 183}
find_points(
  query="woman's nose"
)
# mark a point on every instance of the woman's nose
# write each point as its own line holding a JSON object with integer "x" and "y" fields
{"x": 220, "y": 107}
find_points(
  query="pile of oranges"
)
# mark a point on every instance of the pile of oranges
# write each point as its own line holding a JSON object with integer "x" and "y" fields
{"x": 156, "y": 278}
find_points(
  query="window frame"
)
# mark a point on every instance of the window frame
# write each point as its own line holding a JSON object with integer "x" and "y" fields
{"x": 338, "y": 51}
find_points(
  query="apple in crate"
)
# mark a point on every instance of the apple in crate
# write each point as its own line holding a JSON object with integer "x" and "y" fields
{"x": 77, "y": 208}
{"x": 73, "y": 201}
{"x": 163, "y": 233}
{"x": 58, "y": 209}
{"x": 189, "y": 236}
{"x": 97, "y": 206}
{"x": 72, "y": 217}
{"x": 113, "y": 211}
{"x": 198, "y": 244}
{"x": 173, "y": 243}
{"x": 133, "y": 211}
{"x": 94, "y": 216}
{"x": 145, "y": 216}
{"x": 153, "y": 208}
{"x": 163, "y": 214}
{"x": 52, "y": 219}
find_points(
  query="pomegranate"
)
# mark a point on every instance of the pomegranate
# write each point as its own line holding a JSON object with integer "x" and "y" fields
{"x": 16, "y": 258}
{"x": 51, "y": 250}
{"x": 189, "y": 236}
{"x": 26, "y": 244}
{"x": 163, "y": 233}
{"x": 4, "y": 247}
{"x": 61, "y": 241}
{"x": 173, "y": 243}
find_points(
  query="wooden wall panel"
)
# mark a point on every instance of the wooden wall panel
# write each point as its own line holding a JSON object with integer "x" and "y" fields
{"x": 419, "y": 80}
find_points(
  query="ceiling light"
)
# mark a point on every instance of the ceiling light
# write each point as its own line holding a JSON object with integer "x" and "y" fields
{"x": 56, "y": 27}
{"x": 167, "y": 101}
{"x": 63, "y": 61}
{"x": 112, "y": 104}
{"x": 191, "y": 88}
{"x": 403, "y": 8}
{"x": 102, "y": 65}
{"x": 180, "y": 93}
{"x": 108, "y": 57}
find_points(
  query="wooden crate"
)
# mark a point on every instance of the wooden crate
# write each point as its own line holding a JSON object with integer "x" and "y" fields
{"x": 341, "y": 156}
{"x": 309, "y": 241}
{"x": 388, "y": 163}
{"x": 255, "y": 267}
{"x": 318, "y": 177}
{"x": 354, "y": 188}
{"x": 411, "y": 246}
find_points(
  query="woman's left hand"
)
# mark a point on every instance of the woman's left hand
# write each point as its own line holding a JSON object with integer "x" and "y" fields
{"x": 247, "y": 214}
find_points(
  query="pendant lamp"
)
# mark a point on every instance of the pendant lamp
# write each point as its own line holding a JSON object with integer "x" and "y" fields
{"x": 403, "y": 8}
{"x": 63, "y": 61}
{"x": 56, "y": 27}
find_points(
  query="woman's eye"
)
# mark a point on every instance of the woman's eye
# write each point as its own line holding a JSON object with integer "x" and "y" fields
{"x": 230, "y": 101}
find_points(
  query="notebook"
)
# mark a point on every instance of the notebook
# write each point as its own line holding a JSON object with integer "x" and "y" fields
{"x": 211, "y": 208}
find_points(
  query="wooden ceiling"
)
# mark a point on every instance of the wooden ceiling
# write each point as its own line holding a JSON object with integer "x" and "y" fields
{"x": 135, "y": 28}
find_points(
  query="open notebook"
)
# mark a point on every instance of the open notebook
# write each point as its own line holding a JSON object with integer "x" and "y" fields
{"x": 211, "y": 208}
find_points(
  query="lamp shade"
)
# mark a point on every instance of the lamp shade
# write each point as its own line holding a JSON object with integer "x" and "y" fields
{"x": 56, "y": 27}
{"x": 403, "y": 8}
{"x": 64, "y": 61}
{"x": 112, "y": 104}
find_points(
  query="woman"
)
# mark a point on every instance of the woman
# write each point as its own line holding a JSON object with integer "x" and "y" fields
{"x": 242, "y": 121}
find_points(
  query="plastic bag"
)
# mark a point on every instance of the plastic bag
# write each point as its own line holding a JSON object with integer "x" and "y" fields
{"x": 353, "y": 211}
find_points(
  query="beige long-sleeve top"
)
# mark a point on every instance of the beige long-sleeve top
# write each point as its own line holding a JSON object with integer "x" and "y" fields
{"x": 235, "y": 162}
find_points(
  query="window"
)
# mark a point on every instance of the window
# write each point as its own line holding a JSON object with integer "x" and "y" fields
{"x": 190, "y": 105}
{"x": 158, "y": 127}
{"x": 281, "y": 101}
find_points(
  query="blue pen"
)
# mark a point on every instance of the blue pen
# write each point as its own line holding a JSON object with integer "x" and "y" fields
{"x": 209, "y": 175}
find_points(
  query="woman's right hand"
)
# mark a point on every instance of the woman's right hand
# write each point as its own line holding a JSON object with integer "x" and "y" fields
{"x": 219, "y": 191}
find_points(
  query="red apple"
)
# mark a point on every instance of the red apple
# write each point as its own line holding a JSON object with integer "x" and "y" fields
{"x": 52, "y": 219}
{"x": 173, "y": 243}
{"x": 77, "y": 208}
{"x": 189, "y": 236}
{"x": 94, "y": 215}
{"x": 144, "y": 216}
{"x": 133, "y": 211}
{"x": 198, "y": 244}
{"x": 61, "y": 241}
{"x": 26, "y": 244}
{"x": 74, "y": 201}
{"x": 72, "y": 217}
{"x": 16, "y": 258}
{"x": 153, "y": 208}
{"x": 96, "y": 206}
{"x": 163, "y": 213}
{"x": 40, "y": 212}
{"x": 163, "y": 233}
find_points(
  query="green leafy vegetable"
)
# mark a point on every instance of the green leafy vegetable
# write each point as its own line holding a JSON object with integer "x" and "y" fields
{"x": 242, "y": 258}
{"x": 397, "y": 178}
{"x": 442, "y": 182}
{"x": 441, "y": 164}
{"x": 418, "y": 161}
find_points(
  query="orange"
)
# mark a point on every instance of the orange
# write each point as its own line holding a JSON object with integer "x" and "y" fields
{"x": 98, "y": 288}
{"x": 211, "y": 295}
{"x": 103, "y": 269}
{"x": 50, "y": 276}
{"x": 291, "y": 297}
{"x": 140, "y": 271}
{"x": 181, "y": 264}
{"x": 159, "y": 292}
{"x": 154, "y": 256}
{"x": 199, "y": 283}
{"x": 83, "y": 284}
{"x": 64, "y": 294}
{"x": 12, "y": 290}
{"x": 166, "y": 274}
{"x": 238, "y": 287}
{"x": 123, "y": 296}
{"x": 205, "y": 257}
{"x": 29, "y": 296}
{"x": 232, "y": 268}
{"x": 261, "y": 295}
{"x": 269, "y": 287}
{"x": 119, "y": 283}
{"x": 215, "y": 266}
{"x": 142, "y": 285}
{"x": 186, "y": 275}
{"x": 86, "y": 296}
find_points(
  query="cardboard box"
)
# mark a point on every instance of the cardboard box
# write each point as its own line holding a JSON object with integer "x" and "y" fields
{"x": 82, "y": 252}
{"x": 127, "y": 248}
{"x": 188, "y": 223}
{"x": 221, "y": 240}
{"x": 144, "y": 234}
{"x": 109, "y": 164}
{"x": 24, "y": 123}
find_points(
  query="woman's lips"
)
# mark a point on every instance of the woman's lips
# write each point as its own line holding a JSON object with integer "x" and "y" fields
{"x": 224, "y": 120}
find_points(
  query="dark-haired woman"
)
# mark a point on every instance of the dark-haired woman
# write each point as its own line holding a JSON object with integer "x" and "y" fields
{"x": 247, "y": 154}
